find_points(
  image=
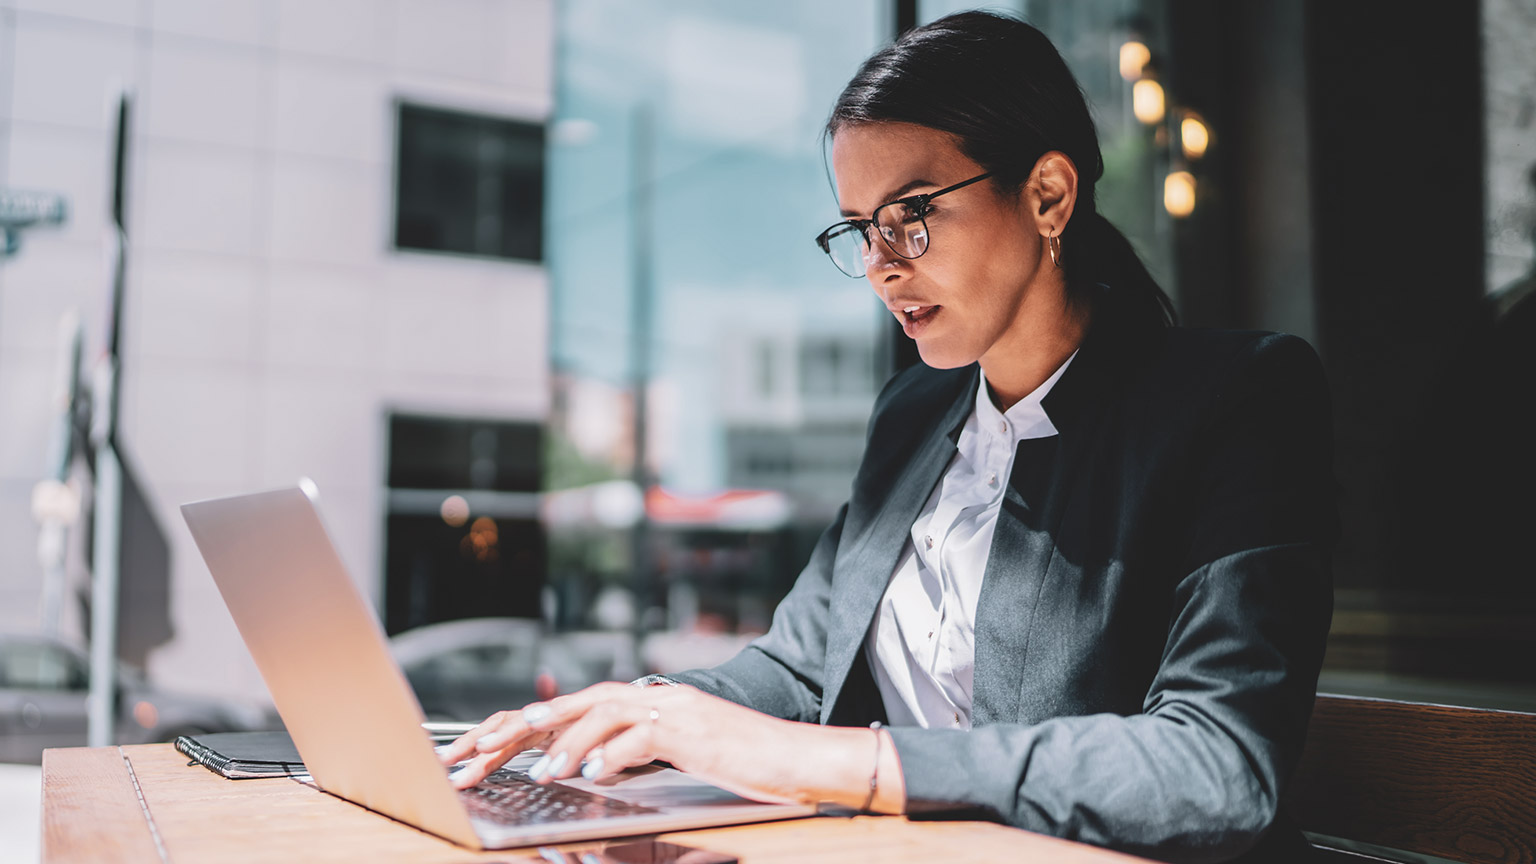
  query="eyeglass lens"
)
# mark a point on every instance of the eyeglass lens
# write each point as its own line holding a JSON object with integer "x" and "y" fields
{"x": 899, "y": 225}
{"x": 845, "y": 246}
{"x": 904, "y": 229}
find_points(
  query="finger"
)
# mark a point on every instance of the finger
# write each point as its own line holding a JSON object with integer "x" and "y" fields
{"x": 628, "y": 749}
{"x": 595, "y": 728}
{"x": 511, "y": 729}
{"x": 485, "y": 764}
{"x": 463, "y": 747}
{"x": 521, "y": 730}
{"x": 479, "y": 768}
{"x": 554, "y": 714}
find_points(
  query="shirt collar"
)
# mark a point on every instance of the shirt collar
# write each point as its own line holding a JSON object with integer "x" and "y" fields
{"x": 1025, "y": 418}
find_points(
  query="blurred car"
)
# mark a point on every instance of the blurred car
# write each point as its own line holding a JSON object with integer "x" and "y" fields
{"x": 469, "y": 669}
{"x": 43, "y": 686}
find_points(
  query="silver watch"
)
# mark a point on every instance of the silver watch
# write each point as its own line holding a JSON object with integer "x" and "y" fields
{"x": 652, "y": 680}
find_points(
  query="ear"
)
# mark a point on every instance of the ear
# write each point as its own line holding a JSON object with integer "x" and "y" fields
{"x": 1051, "y": 192}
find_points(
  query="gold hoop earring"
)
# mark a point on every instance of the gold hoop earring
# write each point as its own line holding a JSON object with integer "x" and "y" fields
{"x": 1053, "y": 245}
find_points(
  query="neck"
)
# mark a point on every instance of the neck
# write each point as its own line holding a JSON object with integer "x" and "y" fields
{"x": 1040, "y": 340}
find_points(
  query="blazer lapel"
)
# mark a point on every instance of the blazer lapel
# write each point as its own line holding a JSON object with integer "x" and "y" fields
{"x": 1045, "y": 473}
{"x": 1022, "y": 547}
{"x": 862, "y": 572}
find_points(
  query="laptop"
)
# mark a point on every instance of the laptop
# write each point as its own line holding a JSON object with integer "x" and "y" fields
{"x": 356, "y": 722}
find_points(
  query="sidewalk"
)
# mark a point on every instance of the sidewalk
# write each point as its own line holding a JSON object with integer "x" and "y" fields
{"x": 21, "y": 802}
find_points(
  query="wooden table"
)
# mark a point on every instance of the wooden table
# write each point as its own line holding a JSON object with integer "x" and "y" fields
{"x": 144, "y": 803}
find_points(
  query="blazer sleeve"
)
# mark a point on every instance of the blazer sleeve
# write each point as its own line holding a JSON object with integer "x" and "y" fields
{"x": 1198, "y": 775}
{"x": 781, "y": 672}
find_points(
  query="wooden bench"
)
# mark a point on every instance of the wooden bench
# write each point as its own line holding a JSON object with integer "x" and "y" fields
{"x": 1382, "y": 778}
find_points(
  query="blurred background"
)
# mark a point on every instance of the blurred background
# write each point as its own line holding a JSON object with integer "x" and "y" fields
{"x": 528, "y": 289}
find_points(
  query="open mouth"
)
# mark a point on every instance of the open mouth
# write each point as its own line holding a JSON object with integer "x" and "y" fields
{"x": 916, "y": 319}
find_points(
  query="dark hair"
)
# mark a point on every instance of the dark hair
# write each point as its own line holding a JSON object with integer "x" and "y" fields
{"x": 1000, "y": 87}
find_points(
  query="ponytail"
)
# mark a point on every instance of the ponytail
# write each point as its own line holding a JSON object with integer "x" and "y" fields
{"x": 1097, "y": 254}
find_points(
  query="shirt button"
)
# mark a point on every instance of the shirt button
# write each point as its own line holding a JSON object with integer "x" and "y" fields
{"x": 992, "y": 479}
{"x": 930, "y": 634}
{"x": 1003, "y": 427}
{"x": 928, "y": 541}
{"x": 957, "y": 718}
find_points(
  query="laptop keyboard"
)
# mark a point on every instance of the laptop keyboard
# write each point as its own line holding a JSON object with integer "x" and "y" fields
{"x": 510, "y": 798}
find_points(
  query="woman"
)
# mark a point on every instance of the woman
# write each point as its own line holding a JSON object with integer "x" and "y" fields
{"x": 1083, "y": 570}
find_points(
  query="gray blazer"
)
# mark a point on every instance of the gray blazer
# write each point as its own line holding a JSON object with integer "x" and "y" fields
{"x": 1154, "y": 608}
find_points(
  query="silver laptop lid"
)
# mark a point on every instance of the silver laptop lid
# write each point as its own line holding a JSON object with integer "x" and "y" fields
{"x": 324, "y": 657}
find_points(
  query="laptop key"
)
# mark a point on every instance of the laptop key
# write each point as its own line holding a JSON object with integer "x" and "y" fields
{"x": 510, "y": 798}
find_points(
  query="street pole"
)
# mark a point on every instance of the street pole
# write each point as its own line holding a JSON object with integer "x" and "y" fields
{"x": 642, "y": 173}
{"x": 107, "y": 494}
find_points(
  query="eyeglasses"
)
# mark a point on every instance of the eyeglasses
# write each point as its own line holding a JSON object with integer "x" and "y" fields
{"x": 901, "y": 224}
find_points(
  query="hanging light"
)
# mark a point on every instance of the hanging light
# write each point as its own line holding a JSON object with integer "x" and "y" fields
{"x": 1179, "y": 194}
{"x": 1134, "y": 56}
{"x": 1147, "y": 101}
{"x": 454, "y": 510}
{"x": 1194, "y": 136}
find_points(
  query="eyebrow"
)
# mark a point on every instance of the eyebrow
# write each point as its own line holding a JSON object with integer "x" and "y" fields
{"x": 894, "y": 194}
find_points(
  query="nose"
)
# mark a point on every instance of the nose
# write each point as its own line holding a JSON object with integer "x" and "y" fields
{"x": 882, "y": 266}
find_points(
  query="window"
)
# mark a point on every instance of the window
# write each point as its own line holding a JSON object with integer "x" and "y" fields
{"x": 469, "y": 183}
{"x": 463, "y": 538}
{"x": 1286, "y": 129}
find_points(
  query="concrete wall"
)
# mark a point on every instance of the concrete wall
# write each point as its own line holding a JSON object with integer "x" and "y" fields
{"x": 269, "y": 325}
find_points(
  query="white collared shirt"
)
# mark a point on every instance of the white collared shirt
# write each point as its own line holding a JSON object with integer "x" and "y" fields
{"x": 921, "y": 646}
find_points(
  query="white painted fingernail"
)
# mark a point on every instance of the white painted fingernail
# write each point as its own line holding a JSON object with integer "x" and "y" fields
{"x": 457, "y": 774}
{"x": 558, "y": 765}
{"x": 592, "y": 768}
{"x": 538, "y": 768}
{"x": 535, "y": 714}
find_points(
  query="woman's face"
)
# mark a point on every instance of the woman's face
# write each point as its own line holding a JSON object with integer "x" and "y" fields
{"x": 970, "y": 293}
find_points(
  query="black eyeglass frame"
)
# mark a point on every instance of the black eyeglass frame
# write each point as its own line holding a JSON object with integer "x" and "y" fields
{"x": 918, "y": 204}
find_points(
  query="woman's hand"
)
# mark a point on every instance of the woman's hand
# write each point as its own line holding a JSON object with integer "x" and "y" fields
{"x": 604, "y": 729}
{"x": 463, "y": 747}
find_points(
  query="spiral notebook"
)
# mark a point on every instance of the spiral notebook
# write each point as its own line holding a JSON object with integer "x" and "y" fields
{"x": 243, "y": 755}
